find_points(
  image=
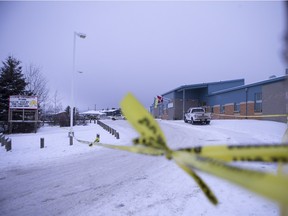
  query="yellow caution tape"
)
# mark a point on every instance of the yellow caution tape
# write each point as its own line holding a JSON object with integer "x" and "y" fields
{"x": 269, "y": 185}
{"x": 264, "y": 153}
{"x": 204, "y": 187}
{"x": 151, "y": 134}
{"x": 210, "y": 159}
{"x": 135, "y": 149}
{"x": 254, "y": 116}
{"x": 252, "y": 153}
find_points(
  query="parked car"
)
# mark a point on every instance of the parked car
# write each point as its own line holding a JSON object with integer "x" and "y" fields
{"x": 197, "y": 115}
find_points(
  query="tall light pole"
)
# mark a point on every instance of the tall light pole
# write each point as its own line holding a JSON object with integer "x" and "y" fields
{"x": 81, "y": 35}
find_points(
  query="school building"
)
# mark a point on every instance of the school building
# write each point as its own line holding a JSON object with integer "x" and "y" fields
{"x": 228, "y": 99}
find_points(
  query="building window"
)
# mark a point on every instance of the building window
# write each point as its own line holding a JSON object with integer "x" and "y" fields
{"x": 258, "y": 102}
{"x": 237, "y": 107}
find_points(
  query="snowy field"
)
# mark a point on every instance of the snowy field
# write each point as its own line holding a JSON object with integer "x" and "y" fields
{"x": 78, "y": 180}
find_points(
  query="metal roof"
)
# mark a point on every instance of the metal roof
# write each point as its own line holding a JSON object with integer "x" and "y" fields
{"x": 200, "y": 85}
{"x": 250, "y": 85}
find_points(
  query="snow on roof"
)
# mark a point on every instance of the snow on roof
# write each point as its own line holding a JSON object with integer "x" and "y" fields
{"x": 92, "y": 112}
{"x": 110, "y": 110}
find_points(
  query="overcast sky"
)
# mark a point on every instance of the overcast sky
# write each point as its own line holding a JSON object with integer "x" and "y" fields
{"x": 146, "y": 48}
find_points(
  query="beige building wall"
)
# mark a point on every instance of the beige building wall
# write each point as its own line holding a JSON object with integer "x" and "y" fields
{"x": 275, "y": 100}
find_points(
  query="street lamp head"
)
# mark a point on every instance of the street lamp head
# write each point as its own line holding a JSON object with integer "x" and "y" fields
{"x": 81, "y": 35}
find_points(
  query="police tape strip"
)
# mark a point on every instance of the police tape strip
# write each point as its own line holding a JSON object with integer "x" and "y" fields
{"x": 252, "y": 153}
{"x": 135, "y": 149}
{"x": 254, "y": 116}
{"x": 269, "y": 185}
{"x": 266, "y": 184}
{"x": 203, "y": 186}
{"x": 210, "y": 159}
{"x": 150, "y": 132}
{"x": 228, "y": 153}
{"x": 152, "y": 136}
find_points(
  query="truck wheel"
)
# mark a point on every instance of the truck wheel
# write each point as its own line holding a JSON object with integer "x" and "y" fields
{"x": 192, "y": 121}
{"x": 185, "y": 120}
{"x": 208, "y": 122}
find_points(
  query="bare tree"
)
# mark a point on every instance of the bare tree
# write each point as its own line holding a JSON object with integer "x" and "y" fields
{"x": 55, "y": 105}
{"x": 36, "y": 83}
{"x": 52, "y": 108}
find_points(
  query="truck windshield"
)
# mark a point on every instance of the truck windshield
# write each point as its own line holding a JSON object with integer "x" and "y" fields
{"x": 197, "y": 110}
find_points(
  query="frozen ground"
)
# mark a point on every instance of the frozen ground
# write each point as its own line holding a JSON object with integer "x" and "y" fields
{"x": 79, "y": 180}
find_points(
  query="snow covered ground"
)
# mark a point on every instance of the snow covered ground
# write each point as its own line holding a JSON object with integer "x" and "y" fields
{"x": 78, "y": 180}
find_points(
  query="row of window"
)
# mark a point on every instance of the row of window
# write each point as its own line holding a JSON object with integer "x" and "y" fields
{"x": 257, "y": 104}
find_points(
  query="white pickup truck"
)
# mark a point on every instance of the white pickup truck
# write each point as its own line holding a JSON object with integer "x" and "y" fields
{"x": 197, "y": 114}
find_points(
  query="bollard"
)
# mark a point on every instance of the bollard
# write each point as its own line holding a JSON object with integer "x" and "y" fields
{"x": 41, "y": 142}
{"x": 8, "y": 145}
{"x": 97, "y": 138}
{"x": 71, "y": 140}
{"x": 109, "y": 129}
{"x": 2, "y": 140}
{"x": 70, "y": 133}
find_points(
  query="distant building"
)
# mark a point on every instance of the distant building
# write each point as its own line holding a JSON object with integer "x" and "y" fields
{"x": 92, "y": 114}
{"x": 112, "y": 112}
{"x": 230, "y": 98}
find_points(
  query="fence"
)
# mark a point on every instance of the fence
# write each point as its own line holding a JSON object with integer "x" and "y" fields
{"x": 109, "y": 129}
